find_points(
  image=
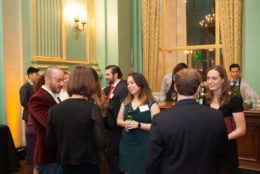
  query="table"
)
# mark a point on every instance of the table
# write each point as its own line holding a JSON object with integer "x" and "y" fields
{"x": 249, "y": 145}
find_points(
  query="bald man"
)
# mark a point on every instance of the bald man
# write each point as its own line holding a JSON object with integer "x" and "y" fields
{"x": 40, "y": 102}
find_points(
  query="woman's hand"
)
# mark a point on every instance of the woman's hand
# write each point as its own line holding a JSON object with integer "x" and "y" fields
{"x": 130, "y": 124}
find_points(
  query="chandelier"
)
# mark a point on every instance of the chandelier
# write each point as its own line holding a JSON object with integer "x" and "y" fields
{"x": 208, "y": 23}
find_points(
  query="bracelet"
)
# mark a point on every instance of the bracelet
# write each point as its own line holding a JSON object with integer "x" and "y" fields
{"x": 139, "y": 125}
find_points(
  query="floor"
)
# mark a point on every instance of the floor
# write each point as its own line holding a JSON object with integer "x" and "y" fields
{"x": 243, "y": 171}
{"x": 25, "y": 169}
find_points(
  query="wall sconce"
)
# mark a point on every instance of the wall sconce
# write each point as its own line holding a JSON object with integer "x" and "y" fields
{"x": 79, "y": 23}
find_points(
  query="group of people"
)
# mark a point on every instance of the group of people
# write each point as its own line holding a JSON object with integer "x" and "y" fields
{"x": 124, "y": 121}
{"x": 238, "y": 85}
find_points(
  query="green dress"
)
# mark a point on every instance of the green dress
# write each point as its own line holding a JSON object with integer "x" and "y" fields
{"x": 133, "y": 144}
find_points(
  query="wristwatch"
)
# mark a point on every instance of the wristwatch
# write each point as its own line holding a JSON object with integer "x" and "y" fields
{"x": 139, "y": 125}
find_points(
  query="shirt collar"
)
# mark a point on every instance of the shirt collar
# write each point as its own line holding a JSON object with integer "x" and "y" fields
{"x": 186, "y": 101}
{"x": 30, "y": 82}
{"x": 231, "y": 80}
{"x": 55, "y": 96}
{"x": 116, "y": 83}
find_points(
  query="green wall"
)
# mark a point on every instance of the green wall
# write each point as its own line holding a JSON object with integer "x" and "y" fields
{"x": 251, "y": 41}
{"x": 2, "y": 98}
{"x": 76, "y": 48}
{"x": 124, "y": 36}
{"x": 113, "y": 35}
{"x": 136, "y": 31}
{"x": 113, "y": 39}
{"x": 27, "y": 36}
{"x": 101, "y": 33}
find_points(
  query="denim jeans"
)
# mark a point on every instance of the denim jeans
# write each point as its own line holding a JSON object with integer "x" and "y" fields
{"x": 47, "y": 168}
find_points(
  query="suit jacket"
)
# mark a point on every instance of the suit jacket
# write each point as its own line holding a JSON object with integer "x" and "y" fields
{"x": 75, "y": 127}
{"x": 186, "y": 139}
{"x": 26, "y": 92}
{"x": 39, "y": 106}
{"x": 112, "y": 150}
{"x": 9, "y": 162}
{"x": 119, "y": 94}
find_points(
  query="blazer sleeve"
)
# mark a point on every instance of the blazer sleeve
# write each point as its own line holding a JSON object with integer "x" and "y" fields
{"x": 38, "y": 109}
{"x": 24, "y": 96}
{"x": 121, "y": 97}
{"x": 114, "y": 106}
{"x": 51, "y": 138}
{"x": 99, "y": 134}
{"x": 155, "y": 149}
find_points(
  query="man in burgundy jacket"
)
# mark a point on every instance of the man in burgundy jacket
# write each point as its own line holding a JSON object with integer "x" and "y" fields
{"x": 40, "y": 102}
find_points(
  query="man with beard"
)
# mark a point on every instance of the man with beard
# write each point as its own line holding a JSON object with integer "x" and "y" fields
{"x": 115, "y": 94}
{"x": 40, "y": 102}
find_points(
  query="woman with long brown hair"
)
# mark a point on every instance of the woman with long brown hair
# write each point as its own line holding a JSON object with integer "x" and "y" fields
{"x": 135, "y": 117}
{"x": 219, "y": 97}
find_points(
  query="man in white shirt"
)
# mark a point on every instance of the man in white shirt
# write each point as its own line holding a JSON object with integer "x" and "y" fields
{"x": 166, "y": 83}
{"x": 236, "y": 82}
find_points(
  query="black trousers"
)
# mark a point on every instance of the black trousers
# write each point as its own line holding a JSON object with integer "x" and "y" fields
{"x": 112, "y": 151}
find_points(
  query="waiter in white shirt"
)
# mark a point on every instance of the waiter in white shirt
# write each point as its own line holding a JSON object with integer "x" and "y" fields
{"x": 238, "y": 85}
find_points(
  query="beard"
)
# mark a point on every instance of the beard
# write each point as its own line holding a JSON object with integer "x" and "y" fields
{"x": 55, "y": 89}
{"x": 111, "y": 81}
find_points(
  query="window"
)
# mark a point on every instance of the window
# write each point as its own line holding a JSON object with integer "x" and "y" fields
{"x": 184, "y": 37}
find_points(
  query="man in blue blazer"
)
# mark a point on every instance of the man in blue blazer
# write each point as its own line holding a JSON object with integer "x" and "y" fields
{"x": 188, "y": 137}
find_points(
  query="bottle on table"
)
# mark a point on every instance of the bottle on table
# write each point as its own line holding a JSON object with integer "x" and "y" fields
{"x": 202, "y": 95}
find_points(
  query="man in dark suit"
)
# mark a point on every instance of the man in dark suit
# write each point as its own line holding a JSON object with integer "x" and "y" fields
{"x": 115, "y": 94}
{"x": 40, "y": 102}
{"x": 188, "y": 137}
{"x": 27, "y": 90}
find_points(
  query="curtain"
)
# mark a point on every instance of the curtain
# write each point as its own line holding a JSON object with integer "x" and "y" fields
{"x": 231, "y": 31}
{"x": 150, "y": 29}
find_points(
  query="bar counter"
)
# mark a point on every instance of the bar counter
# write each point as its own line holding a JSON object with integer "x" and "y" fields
{"x": 248, "y": 145}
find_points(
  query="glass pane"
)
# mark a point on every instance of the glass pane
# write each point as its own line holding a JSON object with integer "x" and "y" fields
{"x": 200, "y": 22}
{"x": 181, "y": 23}
{"x": 201, "y": 60}
{"x": 198, "y": 59}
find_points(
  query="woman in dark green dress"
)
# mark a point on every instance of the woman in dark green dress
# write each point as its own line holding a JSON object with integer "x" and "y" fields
{"x": 135, "y": 117}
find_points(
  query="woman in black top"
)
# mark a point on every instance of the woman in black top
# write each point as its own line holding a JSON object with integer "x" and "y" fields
{"x": 75, "y": 127}
{"x": 219, "y": 97}
{"x": 171, "y": 95}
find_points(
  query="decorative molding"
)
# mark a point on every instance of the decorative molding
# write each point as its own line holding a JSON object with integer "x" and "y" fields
{"x": 44, "y": 67}
{"x": 195, "y": 47}
{"x": 41, "y": 59}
